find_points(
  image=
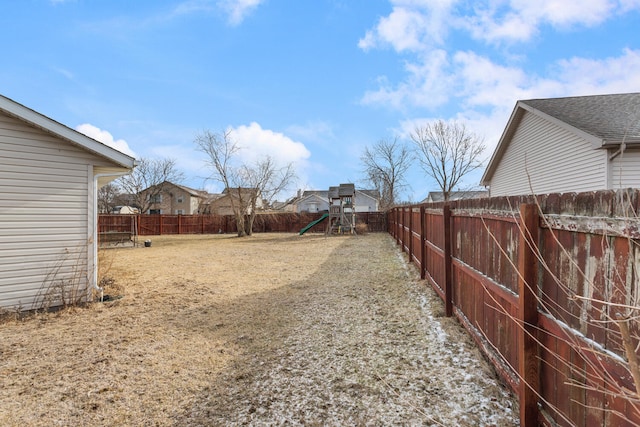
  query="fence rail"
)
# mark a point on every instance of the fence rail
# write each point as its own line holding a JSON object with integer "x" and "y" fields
{"x": 154, "y": 225}
{"x": 536, "y": 280}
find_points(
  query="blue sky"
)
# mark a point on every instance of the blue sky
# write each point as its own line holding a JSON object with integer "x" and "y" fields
{"x": 310, "y": 81}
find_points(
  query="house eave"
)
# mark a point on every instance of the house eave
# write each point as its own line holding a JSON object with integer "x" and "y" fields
{"x": 508, "y": 131}
{"x": 48, "y": 125}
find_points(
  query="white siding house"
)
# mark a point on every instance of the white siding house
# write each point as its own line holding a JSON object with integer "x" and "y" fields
{"x": 318, "y": 201}
{"x": 49, "y": 177}
{"x": 571, "y": 144}
{"x": 367, "y": 201}
{"x": 313, "y": 202}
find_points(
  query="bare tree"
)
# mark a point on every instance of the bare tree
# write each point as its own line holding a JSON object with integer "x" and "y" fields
{"x": 447, "y": 152}
{"x": 385, "y": 165}
{"x": 108, "y": 197}
{"x": 268, "y": 180}
{"x": 247, "y": 185}
{"x": 220, "y": 150}
{"x": 148, "y": 180}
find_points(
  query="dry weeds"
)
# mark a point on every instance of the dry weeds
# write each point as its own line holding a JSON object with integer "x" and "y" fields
{"x": 275, "y": 329}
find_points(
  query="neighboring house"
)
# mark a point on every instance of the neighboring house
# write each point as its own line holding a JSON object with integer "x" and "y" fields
{"x": 175, "y": 199}
{"x": 367, "y": 201}
{"x": 438, "y": 196}
{"x": 318, "y": 201}
{"x": 125, "y": 210}
{"x": 575, "y": 144}
{"x": 312, "y": 201}
{"x": 49, "y": 178}
{"x": 222, "y": 204}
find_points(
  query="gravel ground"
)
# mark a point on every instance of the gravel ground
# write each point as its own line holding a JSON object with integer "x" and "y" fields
{"x": 270, "y": 330}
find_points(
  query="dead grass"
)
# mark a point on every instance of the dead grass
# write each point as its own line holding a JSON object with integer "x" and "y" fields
{"x": 211, "y": 329}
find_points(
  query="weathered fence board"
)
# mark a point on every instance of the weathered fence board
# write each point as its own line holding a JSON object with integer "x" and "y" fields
{"x": 548, "y": 316}
{"x": 154, "y": 225}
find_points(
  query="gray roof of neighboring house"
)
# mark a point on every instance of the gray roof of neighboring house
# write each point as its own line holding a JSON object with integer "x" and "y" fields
{"x": 374, "y": 194}
{"x": 321, "y": 193}
{"x": 438, "y": 196}
{"x": 192, "y": 191}
{"x": 611, "y": 118}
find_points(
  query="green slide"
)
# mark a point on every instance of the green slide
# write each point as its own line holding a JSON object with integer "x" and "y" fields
{"x": 311, "y": 224}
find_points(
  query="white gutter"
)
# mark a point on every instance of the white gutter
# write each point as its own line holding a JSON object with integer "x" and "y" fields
{"x": 94, "y": 280}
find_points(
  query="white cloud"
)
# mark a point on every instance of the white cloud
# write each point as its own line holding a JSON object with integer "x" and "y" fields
{"x": 106, "y": 138}
{"x": 257, "y": 143}
{"x": 411, "y": 26}
{"x": 434, "y": 76}
{"x": 519, "y": 20}
{"x": 627, "y": 5}
{"x": 192, "y": 6}
{"x": 414, "y": 26}
{"x": 238, "y": 10}
{"x": 427, "y": 85}
{"x": 583, "y": 76}
{"x": 318, "y": 131}
{"x": 485, "y": 83}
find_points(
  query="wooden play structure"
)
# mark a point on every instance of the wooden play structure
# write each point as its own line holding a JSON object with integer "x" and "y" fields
{"x": 342, "y": 212}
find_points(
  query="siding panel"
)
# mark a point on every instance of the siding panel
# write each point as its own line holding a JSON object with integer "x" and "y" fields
{"x": 44, "y": 193}
{"x": 544, "y": 158}
{"x": 625, "y": 170}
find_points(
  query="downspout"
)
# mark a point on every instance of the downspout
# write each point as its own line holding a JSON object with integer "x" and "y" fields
{"x": 619, "y": 151}
{"x": 611, "y": 184}
{"x": 94, "y": 281}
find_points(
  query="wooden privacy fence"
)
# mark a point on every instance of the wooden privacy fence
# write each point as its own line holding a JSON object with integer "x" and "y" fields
{"x": 546, "y": 286}
{"x": 154, "y": 225}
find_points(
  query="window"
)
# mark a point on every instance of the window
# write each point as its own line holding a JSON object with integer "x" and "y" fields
{"x": 155, "y": 211}
{"x": 179, "y": 212}
{"x": 155, "y": 198}
{"x": 180, "y": 198}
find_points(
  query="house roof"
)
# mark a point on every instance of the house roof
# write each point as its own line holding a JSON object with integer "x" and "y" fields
{"x": 312, "y": 195}
{"x": 610, "y": 118}
{"x": 438, "y": 196}
{"x": 320, "y": 193}
{"x": 374, "y": 194}
{"x": 191, "y": 191}
{"x": 602, "y": 120}
{"x": 59, "y": 130}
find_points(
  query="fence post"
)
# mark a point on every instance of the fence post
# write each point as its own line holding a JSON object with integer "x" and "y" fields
{"x": 410, "y": 234}
{"x": 528, "y": 315}
{"x": 395, "y": 225}
{"x": 448, "y": 265}
{"x": 423, "y": 251}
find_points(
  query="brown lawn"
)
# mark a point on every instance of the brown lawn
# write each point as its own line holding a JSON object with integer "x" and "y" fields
{"x": 275, "y": 329}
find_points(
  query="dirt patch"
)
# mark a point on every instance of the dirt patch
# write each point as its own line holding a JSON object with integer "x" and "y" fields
{"x": 275, "y": 329}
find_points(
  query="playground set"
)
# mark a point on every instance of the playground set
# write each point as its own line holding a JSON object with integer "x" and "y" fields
{"x": 342, "y": 212}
